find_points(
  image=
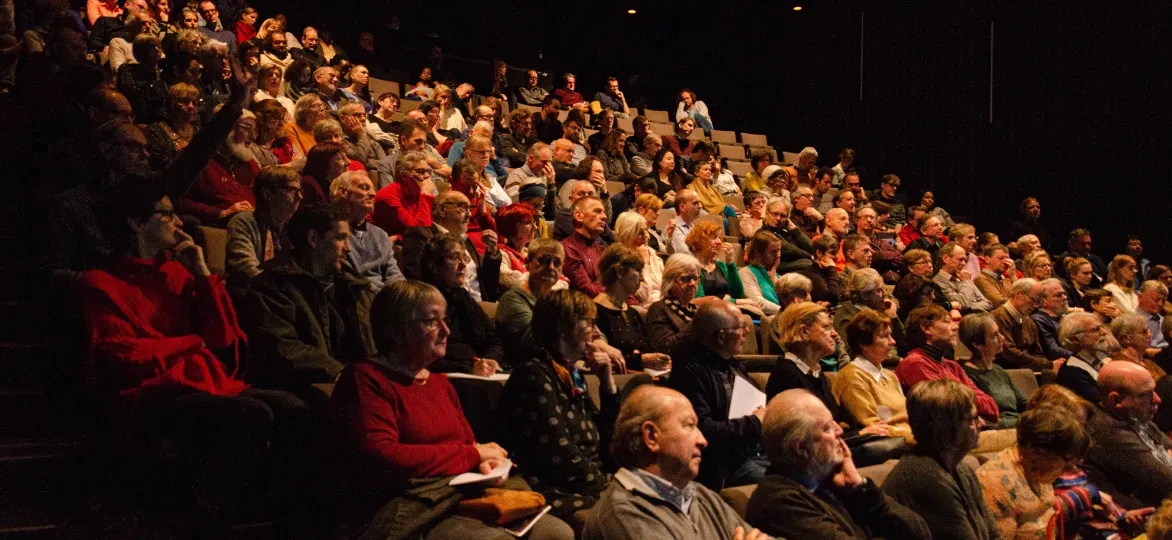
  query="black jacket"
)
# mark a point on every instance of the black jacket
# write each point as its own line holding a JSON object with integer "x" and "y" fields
{"x": 706, "y": 379}
{"x": 473, "y": 335}
{"x": 783, "y": 508}
{"x": 488, "y": 269}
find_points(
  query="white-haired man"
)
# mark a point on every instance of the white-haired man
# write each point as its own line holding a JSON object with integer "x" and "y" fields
{"x": 370, "y": 255}
{"x": 658, "y": 445}
{"x": 812, "y": 488}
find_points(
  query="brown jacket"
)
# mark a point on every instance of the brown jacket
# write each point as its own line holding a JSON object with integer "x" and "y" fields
{"x": 1022, "y": 348}
{"x": 996, "y": 290}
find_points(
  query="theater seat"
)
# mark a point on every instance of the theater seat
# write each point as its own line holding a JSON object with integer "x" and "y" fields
{"x": 378, "y": 86}
{"x": 625, "y": 382}
{"x": 1024, "y": 380}
{"x": 489, "y": 309}
{"x": 657, "y": 116}
{"x": 216, "y": 246}
{"x": 738, "y": 497}
{"x": 662, "y": 128}
{"x": 754, "y": 140}
{"x": 726, "y": 137}
{"x": 479, "y": 399}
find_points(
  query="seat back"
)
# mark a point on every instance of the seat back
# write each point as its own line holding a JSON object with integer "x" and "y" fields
{"x": 731, "y": 151}
{"x": 657, "y": 116}
{"x": 726, "y": 137}
{"x": 789, "y": 158}
{"x": 697, "y": 135}
{"x": 590, "y": 132}
{"x": 661, "y": 129}
{"x": 562, "y": 115}
{"x": 1024, "y": 380}
{"x": 738, "y": 168}
{"x": 378, "y": 86}
{"x": 489, "y": 309}
{"x": 665, "y": 217}
{"x": 625, "y": 124}
{"x": 754, "y": 140}
{"x": 216, "y": 246}
{"x": 615, "y": 187}
{"x": 530, "y": 108}
{"x": 738, "y": 203}
{"x": 408, "y": 105}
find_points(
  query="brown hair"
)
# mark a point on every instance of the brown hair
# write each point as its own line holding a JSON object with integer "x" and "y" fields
{"x": 863, "y": 327}
{"x": 616, "y": 259}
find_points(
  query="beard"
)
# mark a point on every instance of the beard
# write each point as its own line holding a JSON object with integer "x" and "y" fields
{"x": 825, "y": 462}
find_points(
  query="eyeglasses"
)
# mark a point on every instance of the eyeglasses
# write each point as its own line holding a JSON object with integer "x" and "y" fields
{"x": 431, "y": 323}
{"x": 691, "y": 278}
{"x": 546, "y": 260}
{"x": 168, "y": 213}
{"x": 422, "y": 171}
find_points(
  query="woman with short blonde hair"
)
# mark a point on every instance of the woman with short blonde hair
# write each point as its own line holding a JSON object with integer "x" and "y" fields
{"x": 165, "y": 139}
{"x": 1038, "y": 265}
{"x": 630, "y": 229}
{"x": 450, "y": 116}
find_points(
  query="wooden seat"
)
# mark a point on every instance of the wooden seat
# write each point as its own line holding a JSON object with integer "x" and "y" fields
{"x": 614, "y": 187}
{"x": 661, "y": 129}
{"x": 754, "y": 140}
{"x": 789, "y": 158}
{"x": 379, "y": 86}
{"x": 590, "y": 132}
{"x": 657, "y": 116}
{"x": 216, "y": 248}
{"x": 726, "y": 137}
{"x": 738, "y": 168}
{"x": 731, "y": 152}
{"x": 697, "y": 135}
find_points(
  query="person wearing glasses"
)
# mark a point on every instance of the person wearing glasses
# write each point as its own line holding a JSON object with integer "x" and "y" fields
{"x": 452, "y": 214}
{"x": 409, "y": 200}
{"x": 530, "y": 93}
{"x": 473, "y": 344}
{"x": 888, "y": 185}
{"x": 705, "y": 368}
{"x": 214, "y": 28}
{"x": 514, "y": 313}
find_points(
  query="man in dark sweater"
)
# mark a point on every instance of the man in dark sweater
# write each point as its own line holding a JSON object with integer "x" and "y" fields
{"x": 812, "y": 488}
{"x": 706, "y": 372}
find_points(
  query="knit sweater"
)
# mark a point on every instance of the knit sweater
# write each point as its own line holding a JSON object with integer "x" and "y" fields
{"x": 996, "y": 382}
{"x": 152, "y": 325}
{"x": 951, "y": 502}
{"x": 861, "y": 395}
{"x": 928, "y": 363}
{"x": 1022, "y": 348}
{"x": 395, "y": 209}
{"x": 629, "y": 509}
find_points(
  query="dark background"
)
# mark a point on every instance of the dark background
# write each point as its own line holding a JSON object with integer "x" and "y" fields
{"x": 1080, "y": 89}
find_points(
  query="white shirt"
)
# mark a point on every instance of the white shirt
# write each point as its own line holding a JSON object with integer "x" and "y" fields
{"x": 471, "y": 269}
{"x": 805, "y": 369}
{"x": 874, "y": 371}
{"x": 678, "y": 235}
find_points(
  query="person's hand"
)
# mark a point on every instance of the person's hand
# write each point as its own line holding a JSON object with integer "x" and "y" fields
{"x": 963, "y": 275}
{"x": 1136, "y": 518}
{"x": 620, "y": 95}
{"x": 241, "y": 84}
{"x": 878, "y": 428}
{"x": 549, "y": 174}
{"x": 954, "y": 314}
{"x": 656, "y": 361}
{"x": 891, "y": 307}
{"x": 1011, "y": 268}
{"x": 238, "y": 206}
{"x": 753, "y": 534}
{"x": 725, "y": 252}
{"x": 485, "y": 367}
{"x": 812, "y": 213}
{"x": 427, "y": 186}
{"x": 848, "y": 476}
{"x": 602, "y": 364}
{"x": 1111, "y": 311}
{"x": 352, "y": 124}
{"x": 189, "y": 254}
{"x": 490, "y": 450}
{"x": 1058, "y": 363}
{"x": 669, "y": 198}
{"x": 749, "y": 302}
{"x": 759, "y": 412}
{"x": 671, "y": 227}
{"x": 490, "y": 239}
{"x": 487, "y": 467}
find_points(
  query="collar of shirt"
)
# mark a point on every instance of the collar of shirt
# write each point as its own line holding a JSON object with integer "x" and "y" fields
{"x": 681, "y": 499}
{"x": 805, "y": 369}
{"x": 945, "y": 276}
{"x": 874, "y": 371}
{"x": 992, "y": 275}
{"x": 1013, "y": 312}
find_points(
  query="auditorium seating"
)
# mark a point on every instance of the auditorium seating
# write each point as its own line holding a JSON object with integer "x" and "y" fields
{"x": 660, "y": 117}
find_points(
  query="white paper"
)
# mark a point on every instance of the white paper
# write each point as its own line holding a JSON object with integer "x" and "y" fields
{"x": 746, "y": 398}
{"x": 494, "y": 377}
{"x": 656, "y": 373}
{"x": 501, "y": 472}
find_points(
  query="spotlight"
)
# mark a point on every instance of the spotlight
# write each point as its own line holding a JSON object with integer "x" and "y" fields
{"x": 797, "y": 8}
{"x": 631, "y": 12}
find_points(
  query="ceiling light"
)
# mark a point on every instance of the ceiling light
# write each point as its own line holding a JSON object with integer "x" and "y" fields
{"x": 631, "y": 12}
{"x": 797, "y": 8}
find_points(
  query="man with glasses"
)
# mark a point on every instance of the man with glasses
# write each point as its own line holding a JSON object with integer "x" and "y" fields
{"x": 213, "y": 28}
{"x": 613, "y": 99}
{"x": 308, "y": 315}
{"x": 516, "y": 143}
{"x": 1152, "y": 295}
{"x": 276, "y": 53}
{"x": 706, "y": 372}
{"x": 1088, "y": 338}
{"x": 1050, "y": 310}
{"x": 407, "y": 202}
{"x": 1021, "y": 347}
{"x": 327, "y": 86}
{"x": 1130, "y": 458}
{"x": 797, "y": 251}
{"x": 538, "y": 168}
{"x": 888, "y": 186}
{"x": 688, "y": 210}
{"x": 482, "y": 273}
{"x": 361, "y": 147}
{"x": 530, "y": 93}
{"x": 804, "y": 214}
{"x": 413, "y": 138}
{"x": 258, "y": 235}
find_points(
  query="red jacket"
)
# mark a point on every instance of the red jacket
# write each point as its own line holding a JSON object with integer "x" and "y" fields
{"x": 153, "y": 324}
{"x": 244, "y": 32}
{"x": 921, "y": 366}
{"x": 218, "y": 188}
{"x": 396, "y": 208}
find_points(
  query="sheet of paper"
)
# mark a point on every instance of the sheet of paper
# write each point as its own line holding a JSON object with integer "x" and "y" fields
{"x": 499, "y": 473}
{"x": 656, "y": 372}
{"x": 494, "y": 377}
{"x": 746, "y": 398}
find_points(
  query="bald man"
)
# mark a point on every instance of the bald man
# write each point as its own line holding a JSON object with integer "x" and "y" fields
{"x": 688, "y": 210}
{"x": 1130, "y": 458}
{"x": 658, "y": 446}
{"x": 838, "y": 223}
{"x": 706, "y": 366}
{"x": 812, "y": 488}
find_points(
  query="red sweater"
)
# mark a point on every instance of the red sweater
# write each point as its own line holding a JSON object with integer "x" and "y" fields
{"x": 401, "y": 432}
{"x": 395, "y": 210}
{"x": 920, "y": 365}
{"x": 218, "y": 188}
{"x": 151, "y": 324}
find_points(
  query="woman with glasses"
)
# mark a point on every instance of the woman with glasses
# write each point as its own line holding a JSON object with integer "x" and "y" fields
{"x": 1135, "y": 340}
{"x": 401, "y": 425}
{"x": 549, "y": 423}
{"x": 610, "y": 152}
{"x": 621, "y": 271}
{"x": 917, "y": 288}
{"x": 1121, "y": 283}
{"x": 408, "y": 201}
{"x": 473, "y": 345}
{"x": 631, "y": 229}
{"x": 1018, "y": 482}
{"x": 667, "y": 318}
{"x": 1038, "y": 265}
{"x": 515, "y": 226}
{"x": 451, "y": 118}
{"x": 752, "y": 218}
{"x": 932, "y": 480}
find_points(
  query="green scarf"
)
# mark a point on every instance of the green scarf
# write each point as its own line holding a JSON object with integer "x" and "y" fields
{"x": 764, "y": 282}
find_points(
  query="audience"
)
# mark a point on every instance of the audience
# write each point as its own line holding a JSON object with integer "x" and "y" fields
{"x": 718, "y": 270}
{"x": 1078, "y": 281}
{"x": 557, "y": 436}
{"x": 307, "y": 315}
{"x": 658, "y": 450}
{"x": 257, "y": 236}
{"x": 812, "y": 488}
{"x": 370, "y": 255}
{"x": 1079, "y": 246}
{"x": 1037, "y": 265}
{"x": 621, "y": 268}
{"x": 1130, "y": 458}
{"x": 400, "y": 428}
{"x": 932, "y": 480}
{"x": 1120, "y": 282}
{"x": 516, "y": 226}
{"x": 1135, "y": 338}
{"x": 980, "y": 334}
{"x": 584, "y": 247}
{"x": 865, "y": 291}
{"x": 956, "y": 283}
{"x": 408, "y": 202}
{"x": 992, "y": 281}
{"x": 758, "y": 276}
{"x": 514, "y": 311}
{"x": 688, "y": 210}
{"x": 631, "y": 230}
{"x": 707, "y": 365}
{"x": 667, "y": 318}
{"x": 1021, "y": 345}
{"x": 1085, "y": 336}
{"x": 1051, "y": 307}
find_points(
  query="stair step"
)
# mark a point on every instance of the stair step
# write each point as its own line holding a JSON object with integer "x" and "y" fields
{"x": 20, "y": 321}
{"x": 34, "y": 473}
{"x": 34, "y": 363}
{"x": 25, "y": 525}
{"x": 29, "y": 412}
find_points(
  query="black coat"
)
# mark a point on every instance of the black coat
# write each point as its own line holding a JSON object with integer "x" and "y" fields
{"x": 473, "y": 334}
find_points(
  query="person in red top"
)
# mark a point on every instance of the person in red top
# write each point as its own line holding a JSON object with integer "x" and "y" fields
{"x": 224, "y": 187}
{"x": 910, "y": 232}
{"x": 246, "y": 25}
{"x": 931, "y": 334}
{"x": 567, "y": 95}
{"x": 409, "y": 200}
{"x": 399, "y": 424}
{"x": 325, "y": 162}
{"x": 467, "y": 179}
{"x": 165, "y": 343}
{"x": 584, "y": 247}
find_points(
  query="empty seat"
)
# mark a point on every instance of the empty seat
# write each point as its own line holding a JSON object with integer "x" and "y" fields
{"x": 657, "y": 116}
{"x": 379, "y": 86}
{"x": 738, "y": 497}
{"x": 697, "y": 135}
{"x": 738, "y": 168}
{"x": 789, "y": 158}
{"x": 727, "y": 137}
{"x": 408, "y": 105}
{"x": 530, "y": 108}
{"x": 731, "y": 151}
{"x": 562, "y": 115}
{"x": 614, "y": 187}
{"x": 661, "y": 129}
{"x": 754, "y": 140}
{"x": 216, "y": 243}
{"x": 626, "y": 124}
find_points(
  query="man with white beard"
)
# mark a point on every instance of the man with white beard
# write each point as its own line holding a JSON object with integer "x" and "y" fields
{"x": 812, "y": 489}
